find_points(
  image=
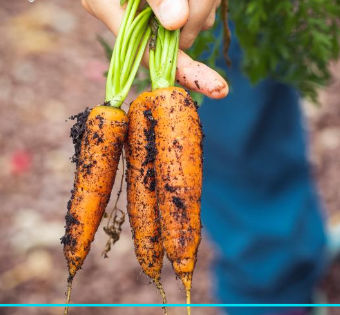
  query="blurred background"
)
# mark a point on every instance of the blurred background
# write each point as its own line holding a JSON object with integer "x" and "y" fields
{"x": 52, "y": 67}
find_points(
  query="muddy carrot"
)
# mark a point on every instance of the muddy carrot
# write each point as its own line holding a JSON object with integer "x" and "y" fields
{"x": 178, "y": 161}
{"x": 97, "y": 163}
{"x": 142, "y": 204}
{"x": 178, "y": 168}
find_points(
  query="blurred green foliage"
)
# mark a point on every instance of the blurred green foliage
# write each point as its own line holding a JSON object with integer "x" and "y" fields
{"x": 291, "y": 41}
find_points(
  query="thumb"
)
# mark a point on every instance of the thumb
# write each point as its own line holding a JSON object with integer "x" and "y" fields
{"x": 172, "y": 14}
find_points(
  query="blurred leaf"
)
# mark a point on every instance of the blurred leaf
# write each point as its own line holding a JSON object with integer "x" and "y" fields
{"x": 107, "y": 48}
{"x": 291, "y": 41}
{"x": 197, "y": 97}
{"x": 142, "y": 80}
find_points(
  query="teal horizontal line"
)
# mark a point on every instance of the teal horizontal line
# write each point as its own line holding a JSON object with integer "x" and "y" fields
{"x": 170, "y": 305}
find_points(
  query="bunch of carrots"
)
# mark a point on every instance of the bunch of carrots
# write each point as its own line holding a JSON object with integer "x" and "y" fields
{"x": 162, "y": 138}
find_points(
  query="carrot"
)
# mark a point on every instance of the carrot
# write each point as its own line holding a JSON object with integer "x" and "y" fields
{"x": 141, "y": 196}
{"x": 101, "y": 147}
{"x": 178, "y": 162}
{"x": 101, "y": 142}
{"x": 178, "y": 167}
{"x": 97, "y": 162}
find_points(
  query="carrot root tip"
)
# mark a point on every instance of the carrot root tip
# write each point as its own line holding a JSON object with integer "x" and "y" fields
{"x": 68, "y": 295}
{"x": 188, "y": 301}
{"x": 162, "y": 292}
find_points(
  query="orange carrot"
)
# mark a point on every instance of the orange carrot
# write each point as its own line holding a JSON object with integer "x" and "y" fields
{"x": 97, "y": 163}
{"x": 97, "y": 158}
{"x": 178, "y": 168}
{"x": 178, "y": 162}
{"x": 142, "y": 204}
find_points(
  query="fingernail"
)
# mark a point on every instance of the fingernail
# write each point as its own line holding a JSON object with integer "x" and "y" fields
{"x": 170, "y": 11}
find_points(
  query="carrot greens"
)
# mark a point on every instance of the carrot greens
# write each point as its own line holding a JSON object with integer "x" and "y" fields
{"x": 127, "y": 54}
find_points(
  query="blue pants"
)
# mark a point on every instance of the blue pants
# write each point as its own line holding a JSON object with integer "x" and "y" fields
{"x": 259, "y": 203}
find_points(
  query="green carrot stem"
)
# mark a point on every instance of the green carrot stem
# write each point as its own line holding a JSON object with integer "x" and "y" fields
{"x": 131, "y": 16}
{"x": 133, "y": 48}
{"x": 136, "y": 36}
{"x": 118, "y": 63}
{"x": 118, "y": 99}
{"x": 159, "y": 46}
{"x": 165, "y": 49}
{"x": 129, "y": 20}
{"x": 132, "y": 29}
{"x": 163, "y": 61}
{"x": 126, "y": 53}
{"x": 114, "y": 66}
{"x": 174, "y": 63}
{"x": 172, "y": 55}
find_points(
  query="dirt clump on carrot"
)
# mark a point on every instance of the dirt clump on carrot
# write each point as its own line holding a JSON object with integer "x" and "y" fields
{"x": 77, "y": 132}
{"x": 149, "y": 133}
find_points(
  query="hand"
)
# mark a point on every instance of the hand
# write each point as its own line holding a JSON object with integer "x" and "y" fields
{"x": 193, "y": 16}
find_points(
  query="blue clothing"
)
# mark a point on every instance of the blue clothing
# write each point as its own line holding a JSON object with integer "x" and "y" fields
{"x": 259, "y": 204}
